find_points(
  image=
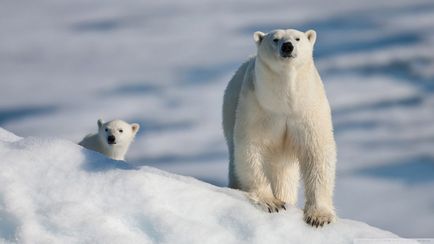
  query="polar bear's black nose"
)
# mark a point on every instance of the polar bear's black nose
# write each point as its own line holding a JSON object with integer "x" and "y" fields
{"x": 287, "y": 49}
{"x": 111, "y": 139}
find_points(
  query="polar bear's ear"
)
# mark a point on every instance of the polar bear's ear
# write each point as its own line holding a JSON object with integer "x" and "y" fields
{"x": 100, "y": 123}
{"x": 135, "y": 127}
{"x": 258, "y": 37}
{"x": 311, "y": 36}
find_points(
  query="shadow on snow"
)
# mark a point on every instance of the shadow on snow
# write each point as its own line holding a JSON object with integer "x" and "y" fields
{"x": 11, "y": 114}
{"x": 415, "y": 170}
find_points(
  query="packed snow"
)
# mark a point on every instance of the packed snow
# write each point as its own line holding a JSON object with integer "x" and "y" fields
{"x": 54, "y": 191}
{"x": 165, "y": 64}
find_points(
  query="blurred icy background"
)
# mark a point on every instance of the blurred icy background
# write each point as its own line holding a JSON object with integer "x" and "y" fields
{"x": 164, "y": 64}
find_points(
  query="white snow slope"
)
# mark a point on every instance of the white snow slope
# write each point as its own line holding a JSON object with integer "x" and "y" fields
{"x": 54, "y": 191}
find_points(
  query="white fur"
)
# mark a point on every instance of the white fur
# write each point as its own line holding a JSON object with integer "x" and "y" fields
{"x": 277, "y": 122}
{"x": 122, "y": 131}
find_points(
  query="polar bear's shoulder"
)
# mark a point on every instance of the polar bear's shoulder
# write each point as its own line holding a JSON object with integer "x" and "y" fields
{"x": 248, "y": 66}
{"x": 242, "y": 75}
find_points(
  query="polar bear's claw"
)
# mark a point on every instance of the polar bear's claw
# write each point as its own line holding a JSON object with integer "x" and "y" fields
{"x": 318, "y": 217}
{"x": 270, "y": 204}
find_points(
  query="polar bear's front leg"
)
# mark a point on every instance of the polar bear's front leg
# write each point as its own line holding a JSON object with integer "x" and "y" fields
{"x": 318, "y": 168}
{"x": 251, "y": 178}
{"x": 283, "y": 174}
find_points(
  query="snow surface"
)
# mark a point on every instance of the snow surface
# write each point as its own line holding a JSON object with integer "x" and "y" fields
{"x": 165, "y": 64}
{"x": 54, "y": 191}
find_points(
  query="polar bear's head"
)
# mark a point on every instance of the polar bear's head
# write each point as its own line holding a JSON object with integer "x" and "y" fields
{"x": 285, "y": 47}
{"x": 116, "y": 132}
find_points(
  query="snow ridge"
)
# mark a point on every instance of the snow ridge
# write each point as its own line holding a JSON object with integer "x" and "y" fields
{"x": 54, "y": 191}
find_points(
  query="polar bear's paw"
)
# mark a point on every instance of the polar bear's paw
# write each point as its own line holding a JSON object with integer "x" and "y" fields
{"x": 318, "y": 216}
{"x": 270, "y": 204}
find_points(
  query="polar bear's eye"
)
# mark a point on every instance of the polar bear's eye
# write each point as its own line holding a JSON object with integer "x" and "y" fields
{"x": 276, "y": 40}
{"x": 106, "y": 129}
{"x": 120, "y": 131}
{"x": 297, "y": 39}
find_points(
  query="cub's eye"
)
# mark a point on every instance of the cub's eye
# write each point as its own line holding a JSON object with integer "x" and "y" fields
{"x": 106, "y": 129}
{"x": 297, "y": 39}
{"x": 275, "y": 40}
{"x": 120, "y": 131}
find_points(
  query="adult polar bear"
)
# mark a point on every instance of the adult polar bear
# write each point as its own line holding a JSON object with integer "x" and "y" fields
{"x": 277, "y": 122}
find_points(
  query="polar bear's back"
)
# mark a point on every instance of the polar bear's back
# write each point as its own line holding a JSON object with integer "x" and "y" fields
{"x": 230, "y": 103}
{"x": 231, "y": 96}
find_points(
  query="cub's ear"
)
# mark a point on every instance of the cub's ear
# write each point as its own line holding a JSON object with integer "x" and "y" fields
{"x": 311, "y": 36}
{"x": 258, "y": 37}
{"x": 135, "y": 127}
{"x": 100, "y": 123}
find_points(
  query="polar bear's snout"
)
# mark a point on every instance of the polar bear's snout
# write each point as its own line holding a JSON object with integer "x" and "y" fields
{"x": 286, "y": 50}
{"x": 111, "y": 139}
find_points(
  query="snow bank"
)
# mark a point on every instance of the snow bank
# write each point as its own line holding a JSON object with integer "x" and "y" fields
{"x": 54, "y": 191}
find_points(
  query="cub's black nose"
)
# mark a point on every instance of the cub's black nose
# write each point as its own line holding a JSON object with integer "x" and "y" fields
{"x": 287, "y": 48}
{"x": 111, "y": 139}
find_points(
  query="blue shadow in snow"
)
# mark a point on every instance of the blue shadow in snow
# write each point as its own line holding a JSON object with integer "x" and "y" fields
{"x": 327, "y": 49}
{"x": 401, "y": 70}
{"x": 416, "y": 170}
{"x": 170, "y": 159}
{"x": 97, "y": 25}
{"x": 199, "y": 160}
{"x": 152, "y": 126}
{"x": 380, "y": 105}
{"x": 203, "y": 74}
{"x": 340, "y": 127}
{"x": 396, "y": 143}
{"x": 139, "y": 88}
{"x": 9, "y": 225}
{"x": 213, "y": 181}
{"x": 358, "y": 20}
{"x": 7, "y": 115}
{"x": 333, "y": 24}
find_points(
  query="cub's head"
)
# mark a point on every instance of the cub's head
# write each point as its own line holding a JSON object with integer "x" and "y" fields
{"x": 116, "y": 132}
{"x": 285, "y": 46}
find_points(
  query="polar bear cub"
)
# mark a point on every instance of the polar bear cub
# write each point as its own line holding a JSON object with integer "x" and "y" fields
{"x": 277, "y": 122}
{"x": 113, "y": 138}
